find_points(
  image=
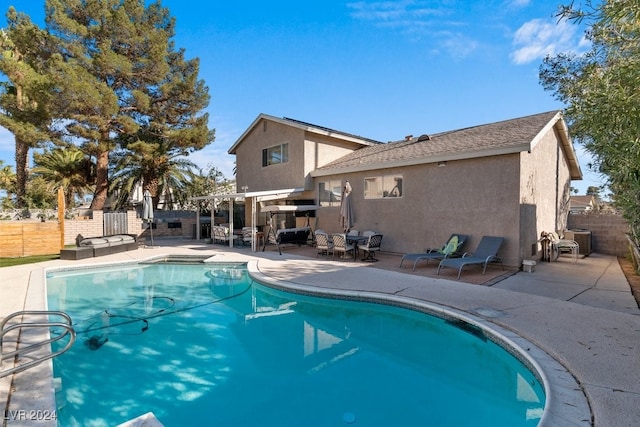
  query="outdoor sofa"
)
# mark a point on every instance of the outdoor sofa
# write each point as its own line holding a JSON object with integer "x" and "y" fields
{"x": 88, "y": 247}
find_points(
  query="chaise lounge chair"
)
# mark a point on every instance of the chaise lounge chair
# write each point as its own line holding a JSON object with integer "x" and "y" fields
{"x": 448, "y": 250}
{"x": 486, "y": 252}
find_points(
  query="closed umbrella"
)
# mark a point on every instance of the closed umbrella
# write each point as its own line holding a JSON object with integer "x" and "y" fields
{"x": 346, "y": 211}
{"x": 147, "y": 211}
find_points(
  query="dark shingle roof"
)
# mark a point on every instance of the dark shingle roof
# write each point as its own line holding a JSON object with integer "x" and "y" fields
{"x": 326, "y": 129}
{"x": 504, "y": 135}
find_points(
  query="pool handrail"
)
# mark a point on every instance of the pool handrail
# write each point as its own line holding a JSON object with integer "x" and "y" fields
{"x": 66, "y": 324}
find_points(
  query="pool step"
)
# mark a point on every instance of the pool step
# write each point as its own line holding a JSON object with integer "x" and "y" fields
{"x": 178, "y": 259}
{"x": 146, "y": 420}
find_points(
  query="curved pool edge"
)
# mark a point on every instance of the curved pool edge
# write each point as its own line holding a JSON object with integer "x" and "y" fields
{"x": 566, "y": 403}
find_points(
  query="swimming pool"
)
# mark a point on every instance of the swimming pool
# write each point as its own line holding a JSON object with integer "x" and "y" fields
{"x": 203, "y": 343}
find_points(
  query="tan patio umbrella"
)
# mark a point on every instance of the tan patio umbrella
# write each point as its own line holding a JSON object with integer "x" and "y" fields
{"x": 346, "y": 210}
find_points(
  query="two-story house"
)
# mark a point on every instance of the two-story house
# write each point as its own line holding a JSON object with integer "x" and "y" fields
{"x": 509, "y": 179}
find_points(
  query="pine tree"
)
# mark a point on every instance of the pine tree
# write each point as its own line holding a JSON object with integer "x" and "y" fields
{"x": 24, "y": 97}
{"x": 120, "y": 80}
{"x": 171, "y": 129}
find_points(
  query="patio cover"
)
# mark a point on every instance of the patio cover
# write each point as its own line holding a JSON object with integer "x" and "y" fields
{"x": 258, "y": 196}
{"x": 290, "y": 208}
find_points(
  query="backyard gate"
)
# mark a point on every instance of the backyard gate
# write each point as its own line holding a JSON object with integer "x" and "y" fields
{"x": 115, "y": 223}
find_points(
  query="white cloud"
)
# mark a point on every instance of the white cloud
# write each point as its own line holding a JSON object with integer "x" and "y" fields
{"x": 418, "y": 20}
{"x": 459, "y": 46}
{"x": 391, "y": 13}
{"x": 538, "y": 38}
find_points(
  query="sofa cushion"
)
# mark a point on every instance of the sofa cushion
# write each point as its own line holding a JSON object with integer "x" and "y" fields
{"x": 127, "y": 239}
{"x": 114, "y": 240}
{"x": 97, "y": 242}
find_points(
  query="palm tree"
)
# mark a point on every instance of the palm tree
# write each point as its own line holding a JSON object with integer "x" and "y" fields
{"x": 163, "y": 172}
{"x": 208, "y": 181}
{"x": 67, "y": 168}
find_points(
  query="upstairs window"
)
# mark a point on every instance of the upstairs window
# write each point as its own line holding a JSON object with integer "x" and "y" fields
{"x": 275, "y": 155}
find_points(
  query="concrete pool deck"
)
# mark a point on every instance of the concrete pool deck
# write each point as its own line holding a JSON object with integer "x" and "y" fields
{"x": 582, "y": 315}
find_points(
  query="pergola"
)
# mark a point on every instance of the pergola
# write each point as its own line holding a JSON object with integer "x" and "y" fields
{"x": 256, "y": 197}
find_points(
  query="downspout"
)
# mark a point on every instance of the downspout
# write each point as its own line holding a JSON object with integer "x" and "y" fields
{"x": 557, "y": 216}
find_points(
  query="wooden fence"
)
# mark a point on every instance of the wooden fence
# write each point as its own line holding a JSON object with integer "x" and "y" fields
{"x": 27, "y": 238}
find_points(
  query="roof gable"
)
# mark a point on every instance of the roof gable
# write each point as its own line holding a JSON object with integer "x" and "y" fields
{"x": 505, "y": 137}
{"x": 307, "y": 127}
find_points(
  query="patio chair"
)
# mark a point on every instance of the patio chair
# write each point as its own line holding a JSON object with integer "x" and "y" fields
{"x": 486, "y": 252}
{"x": 341, "y": 245}
{"x": 371, "y": 246}
{"x": 324, "y": 244}
{"x": 247, "y": 235}
{"x": 448, "y": 250}
{"x": 560, "y": 245}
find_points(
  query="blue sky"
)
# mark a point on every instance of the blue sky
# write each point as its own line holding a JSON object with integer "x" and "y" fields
{"x": 379, "y": 69}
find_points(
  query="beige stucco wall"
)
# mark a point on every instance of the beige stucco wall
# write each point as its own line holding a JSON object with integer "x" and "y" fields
{"x": 474, "y": 197}
{"x": 307, "y": 152}
{"x": 515, "y": 196}
{"x": 544, "y": 189}
{"x": 320, "y": 150}
{"x": 249, "y": 158}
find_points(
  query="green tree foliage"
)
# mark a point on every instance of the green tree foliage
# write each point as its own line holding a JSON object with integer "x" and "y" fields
{"x": 593, "y": 190}
{"x": 152, "y": 166}
{"x": 171, "y": 129}
{"x": 67, "y": 168}
{"x": 602, "y": 92}
{"x": 24, "y": 97}
{"x": 39, "y": 195}
{"x": 208, "y": 182}
{"x": 122, "y": 82}
{"x": 8, "y": 185}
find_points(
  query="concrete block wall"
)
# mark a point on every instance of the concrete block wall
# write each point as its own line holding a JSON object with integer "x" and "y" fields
{"x": 93, "y": 226}
{"x": 608, "y": 232}
{"x": 168, "y": 225}
{"x": 164, "y": 230}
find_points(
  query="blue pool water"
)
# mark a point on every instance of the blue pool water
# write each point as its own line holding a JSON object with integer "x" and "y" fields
{"x": 204, "y": 345}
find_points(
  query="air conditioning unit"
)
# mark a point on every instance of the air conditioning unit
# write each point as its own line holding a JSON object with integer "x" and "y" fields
{"x": 582, "y": 237}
